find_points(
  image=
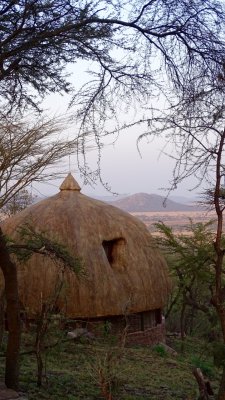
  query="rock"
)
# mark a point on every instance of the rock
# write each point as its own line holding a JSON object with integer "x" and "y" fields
{"x": 76, "y": 333}
{"x": 8, "y": 394}
{"x": 80, "y": 332}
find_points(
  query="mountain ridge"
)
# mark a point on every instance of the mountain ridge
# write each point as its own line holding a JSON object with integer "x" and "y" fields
{"x": 144, "y": 202}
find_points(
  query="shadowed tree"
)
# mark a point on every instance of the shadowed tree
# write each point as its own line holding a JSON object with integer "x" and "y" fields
{"x": 196, "y": 127}
{"x": 27, "y": 149}
{"x": 190, "y": 257}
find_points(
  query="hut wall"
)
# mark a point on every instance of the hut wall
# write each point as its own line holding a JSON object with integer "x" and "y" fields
{"x": 147, "y": 337}
{"x": 147, "y": 328}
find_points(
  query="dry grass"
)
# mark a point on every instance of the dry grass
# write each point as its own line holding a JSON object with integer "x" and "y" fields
{"x": 144, "y": 373}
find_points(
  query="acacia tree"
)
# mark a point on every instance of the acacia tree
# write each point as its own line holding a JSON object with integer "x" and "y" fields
{"x": 21, "y": 200}
{"x": 28, "y": 242}
{"x": 157, "y": 44}
{"x": 27, "y": 149}
{"x": 122, "y": 39}
{"x": 196, "y": 127}
{"x": 191, "y": 260}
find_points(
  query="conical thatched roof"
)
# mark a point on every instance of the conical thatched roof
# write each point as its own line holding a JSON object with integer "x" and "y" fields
{"x": 70, "y": 184}
{"x": 123, "y": 269}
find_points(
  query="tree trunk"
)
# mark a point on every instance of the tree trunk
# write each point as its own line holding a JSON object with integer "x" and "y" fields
{"x": 204, "y": 386}
{"x": 40, "y": 334}
{"x": 221, "y": 394}
{"x": 182, "y": 331}
{"x": 2, "y": 316}
{"x": 13, "y": 318}
{"x": 39, "y": 367}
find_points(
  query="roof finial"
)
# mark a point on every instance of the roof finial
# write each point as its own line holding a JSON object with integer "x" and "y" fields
{"x": 70, "y": 183}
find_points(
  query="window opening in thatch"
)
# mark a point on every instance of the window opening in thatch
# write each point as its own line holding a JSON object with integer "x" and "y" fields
{"x": 113, "y": 250}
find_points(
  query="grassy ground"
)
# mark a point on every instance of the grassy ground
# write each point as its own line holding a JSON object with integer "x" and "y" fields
{"x": 78, "y": 371}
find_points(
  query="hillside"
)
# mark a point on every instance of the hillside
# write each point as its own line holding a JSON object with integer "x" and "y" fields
{"x": 150, "y": 202}
{"x": 76, "y": 370}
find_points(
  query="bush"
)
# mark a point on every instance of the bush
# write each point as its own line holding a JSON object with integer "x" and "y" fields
{"x": 160, "y": 350}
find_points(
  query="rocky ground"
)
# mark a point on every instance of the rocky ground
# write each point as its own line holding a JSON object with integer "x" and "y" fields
{"x": 9, "y": 394}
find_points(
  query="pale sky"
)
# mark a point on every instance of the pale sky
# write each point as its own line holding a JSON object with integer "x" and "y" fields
{"x": 125, "y": 171}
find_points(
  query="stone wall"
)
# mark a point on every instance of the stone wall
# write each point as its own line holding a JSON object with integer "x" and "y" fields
{"x": 148, "y": 337}
{"x": 138, "y": 332}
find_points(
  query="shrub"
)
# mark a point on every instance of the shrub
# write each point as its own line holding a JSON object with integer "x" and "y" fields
{"x": 160, "y": 350}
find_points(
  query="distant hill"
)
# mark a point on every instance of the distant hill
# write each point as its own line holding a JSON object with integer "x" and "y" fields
{"x": 150, "y": 202}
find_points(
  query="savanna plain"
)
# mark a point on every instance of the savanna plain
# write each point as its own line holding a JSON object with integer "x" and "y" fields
{"x": 177, "y": 220}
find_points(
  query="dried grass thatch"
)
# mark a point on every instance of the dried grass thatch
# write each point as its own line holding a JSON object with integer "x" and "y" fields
{"x": 123, "y": 269}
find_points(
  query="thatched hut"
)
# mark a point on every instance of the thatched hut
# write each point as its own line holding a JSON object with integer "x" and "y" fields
{"x": 124, "y": 272}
